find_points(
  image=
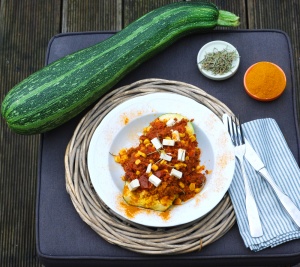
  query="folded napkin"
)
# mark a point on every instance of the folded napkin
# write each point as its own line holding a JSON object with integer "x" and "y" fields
{"x": 268, "y": 141}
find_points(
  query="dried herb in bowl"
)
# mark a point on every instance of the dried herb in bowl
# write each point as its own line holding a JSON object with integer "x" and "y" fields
{"x": 218, "y": 62}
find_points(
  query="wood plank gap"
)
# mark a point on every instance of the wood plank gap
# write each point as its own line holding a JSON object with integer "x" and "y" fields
{"x": 64, "y": 16}
{"x": 246, "y": 4}
{"x": 120, "y": 15}
{"x": 2, "y": 22}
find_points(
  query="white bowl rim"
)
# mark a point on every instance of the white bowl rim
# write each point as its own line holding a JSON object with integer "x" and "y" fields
{"x": 208, "y": 47}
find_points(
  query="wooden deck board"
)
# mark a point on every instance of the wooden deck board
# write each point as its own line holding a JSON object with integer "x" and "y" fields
{"x": 23, "y": 43}
{"x": 25, "y": 29}
{"x": 98, "y": 15}
{"x": 133, "y": 9}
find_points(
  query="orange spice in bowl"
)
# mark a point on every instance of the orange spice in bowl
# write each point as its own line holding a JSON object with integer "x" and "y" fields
{"x": 264, "y": 81}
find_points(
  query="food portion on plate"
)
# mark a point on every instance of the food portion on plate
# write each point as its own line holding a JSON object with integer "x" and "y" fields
{"x": 164, "y": 169}
{"x": 122, "y": 128}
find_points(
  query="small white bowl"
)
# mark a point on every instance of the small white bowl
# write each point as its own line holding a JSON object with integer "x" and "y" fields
{"x": 219, "y": 45}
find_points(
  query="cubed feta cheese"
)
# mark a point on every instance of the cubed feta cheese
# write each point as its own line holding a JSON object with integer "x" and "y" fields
{"x": 165, "y": 156}
{"x": 181, "y": 154}
{"x": 154, "y": 180}
{"x": 134, "y": 184}
{"x": 176, "y": 173}
{"x": 148, "y": 170}
{"x": 157, "y": 144}
{"x": 170, "y": 122}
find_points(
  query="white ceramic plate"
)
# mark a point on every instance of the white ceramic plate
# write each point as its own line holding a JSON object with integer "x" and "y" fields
{"x": 120, "y": 129}
{"x": 219, "y": 45}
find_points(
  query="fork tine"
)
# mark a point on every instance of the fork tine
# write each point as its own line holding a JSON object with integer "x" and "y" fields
{"x": 241, "y": 131}
{"x": 231, "y": 130}
{"x": 235, "y": 131}
{"x": 240, "y": 134}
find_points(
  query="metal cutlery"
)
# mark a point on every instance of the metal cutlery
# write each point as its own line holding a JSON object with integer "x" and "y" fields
{"x": 259, "y": 166}
{"x": 237, "y": 137}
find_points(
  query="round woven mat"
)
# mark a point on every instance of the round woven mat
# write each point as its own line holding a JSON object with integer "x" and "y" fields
{"x": 116, "y": 229}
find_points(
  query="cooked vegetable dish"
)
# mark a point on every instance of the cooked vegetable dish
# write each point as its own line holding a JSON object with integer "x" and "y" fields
{"x": 164, "y": 169}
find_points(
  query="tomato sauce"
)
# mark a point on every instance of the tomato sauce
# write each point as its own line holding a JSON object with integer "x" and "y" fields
{"x": 135, "y": 161}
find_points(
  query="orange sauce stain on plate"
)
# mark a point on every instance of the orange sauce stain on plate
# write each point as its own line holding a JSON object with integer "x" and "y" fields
{"x": 165, "y": 215}
{"x": 130, "y": 211}
{"x": 125, "y": 119}
{"x": 223, "y": 160}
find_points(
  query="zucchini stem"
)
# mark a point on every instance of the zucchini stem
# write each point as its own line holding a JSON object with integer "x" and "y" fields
{"x": 228, "y": 19}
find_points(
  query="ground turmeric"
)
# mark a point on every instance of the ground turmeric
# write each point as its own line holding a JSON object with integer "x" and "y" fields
{"x": 264, "y": 81}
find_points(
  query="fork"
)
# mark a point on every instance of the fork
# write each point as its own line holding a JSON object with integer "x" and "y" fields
{"x": 236, "y": 133}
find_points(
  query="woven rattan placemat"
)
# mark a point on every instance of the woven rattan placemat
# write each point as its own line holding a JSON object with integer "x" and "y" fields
{"x": 118, "y": 230}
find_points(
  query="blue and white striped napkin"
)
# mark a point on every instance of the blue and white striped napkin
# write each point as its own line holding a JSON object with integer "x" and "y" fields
{"x": 268, "y": 141}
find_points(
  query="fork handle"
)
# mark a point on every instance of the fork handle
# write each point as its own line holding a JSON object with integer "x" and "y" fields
{"x": 251, "y": 208}
{"x": 287, "y": 203}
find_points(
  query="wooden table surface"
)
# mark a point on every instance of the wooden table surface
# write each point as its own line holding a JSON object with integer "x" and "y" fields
{"x": 25, "y": 29}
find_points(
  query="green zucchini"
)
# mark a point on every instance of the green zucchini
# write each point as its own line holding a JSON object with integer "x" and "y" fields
{"x": 61, "y": 90}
